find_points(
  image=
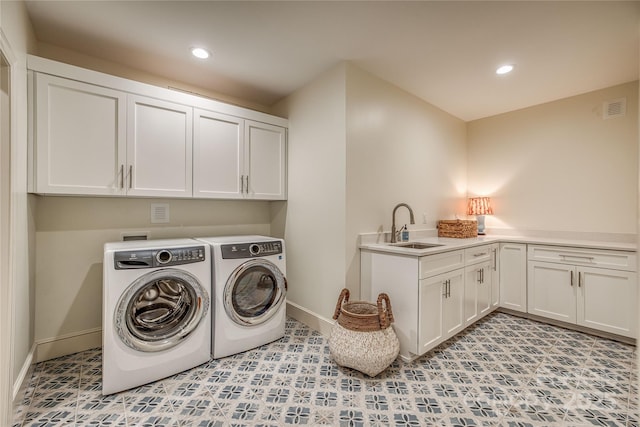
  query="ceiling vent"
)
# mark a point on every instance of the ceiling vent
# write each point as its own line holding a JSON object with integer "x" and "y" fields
{"x": 615, "y": 108}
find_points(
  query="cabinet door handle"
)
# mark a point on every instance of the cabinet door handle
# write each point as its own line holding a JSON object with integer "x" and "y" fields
{"x": 479, "y": 275}
{"x": 241, "y": 184}
{"x": 579, "y": 279}
{"x": 247, "y": 185}
{"x": 121, "y": 176}
{"x": 482, "y": 275}
{"x": 130, "y": 176}
{"x": 495, "y": 259}
{"x": 588, "y": 258}
{"x": 448, "y": 288}
{"x": 571, "y": 282}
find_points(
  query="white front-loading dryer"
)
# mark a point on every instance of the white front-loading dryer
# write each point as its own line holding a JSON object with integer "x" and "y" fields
{"x": 249, "y": 292}
{"x": 156, "y": 310}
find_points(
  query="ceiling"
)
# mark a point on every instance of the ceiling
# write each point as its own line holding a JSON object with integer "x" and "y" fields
{"x": 443, "y": 52}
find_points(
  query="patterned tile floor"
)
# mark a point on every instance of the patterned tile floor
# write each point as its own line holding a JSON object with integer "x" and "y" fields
{"x": 503, "y": 371}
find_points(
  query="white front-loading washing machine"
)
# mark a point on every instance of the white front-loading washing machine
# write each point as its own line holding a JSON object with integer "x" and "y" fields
{"x": 156, "y": 310}
{"x": 249, "y": 292}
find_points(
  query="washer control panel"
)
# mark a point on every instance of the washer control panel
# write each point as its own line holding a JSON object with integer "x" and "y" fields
{"x": 251, "y": 250}
{"x": 149, "y": 258}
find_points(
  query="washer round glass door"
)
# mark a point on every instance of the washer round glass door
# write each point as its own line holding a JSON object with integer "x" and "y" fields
{"x": 160, "y": 309}
{"x": 254, "y": 292}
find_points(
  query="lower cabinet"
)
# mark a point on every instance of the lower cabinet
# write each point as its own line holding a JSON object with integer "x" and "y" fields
{"x": 513, "y": 276}
{"x": 436, "y": 296}
{"x": 477, "y": 292}
{"x": 570, "y": 286}
{"x": 478, "y": 282}
{"x": 441, "y": 309}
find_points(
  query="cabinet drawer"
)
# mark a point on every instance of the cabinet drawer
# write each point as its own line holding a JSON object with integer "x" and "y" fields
{"x": 440, "y": 263}
{"x": 477, "y": 254}
{"x": 617, "y": 260}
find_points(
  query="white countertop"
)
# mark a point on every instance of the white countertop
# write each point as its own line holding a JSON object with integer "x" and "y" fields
{"x": 449, "y": 244}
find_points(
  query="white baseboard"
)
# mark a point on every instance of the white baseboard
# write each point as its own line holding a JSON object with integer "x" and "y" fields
{"x": 25, "y": 373}
{"x": 63, "y": 345}
{"x": 309, "y": 318}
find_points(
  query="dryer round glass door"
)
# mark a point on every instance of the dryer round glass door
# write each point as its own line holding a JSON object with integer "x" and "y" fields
{"x": 254, "y": 292}
{"x": 160, "y": 309}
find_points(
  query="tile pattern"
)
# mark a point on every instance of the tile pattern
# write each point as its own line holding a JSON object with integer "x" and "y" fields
{"x": 503, "y": 371}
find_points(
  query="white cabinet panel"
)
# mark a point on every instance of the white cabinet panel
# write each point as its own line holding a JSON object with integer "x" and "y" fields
{"x": 617, "y": 260}
{"x": 513, "y": 276}
{"x": 218, "y": 155}
{"x": 552, "y": 291}
{"x": 80, "y": 137}
{"x": 433, "y": 265}
{"x": 159, "y": 148}
{"x": 607, "y": 300}
{"x": 453, "y": 304}
{"x": 430, "y": 313}
{"x": 265, "y": 160}
{"x": 477, "y": 294}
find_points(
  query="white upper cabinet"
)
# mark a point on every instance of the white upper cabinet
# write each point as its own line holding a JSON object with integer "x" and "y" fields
{"x": 80, "y": 137}
{"x": 159, "y": 148}
{"x": 218, "y": 155}
{"x": 265, "y": 156}
{"x": 236, "y": 158}
{"x": 95, "y": 134}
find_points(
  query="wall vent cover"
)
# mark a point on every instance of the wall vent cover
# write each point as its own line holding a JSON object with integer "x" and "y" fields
{"x": 615, "y": 108}
{"x": 159, "y": 213}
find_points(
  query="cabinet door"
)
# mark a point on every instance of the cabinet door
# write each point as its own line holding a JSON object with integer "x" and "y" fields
{"x": 477, "y": 293}
{"x": 159, "y": 148}
{"x": 513, "y": 276}
{"x": 265, "y": 168}
{"x": 495, "y": 276}
{"x": 484, "y": 289}
{"x": 80, "y": 137}
{"x": 453, "y": 304}
{"x": 430, "y": 312}
{"x": 552, "y": 291}
{"x": 607, "y": 300}
{"x": 218, "y": 147}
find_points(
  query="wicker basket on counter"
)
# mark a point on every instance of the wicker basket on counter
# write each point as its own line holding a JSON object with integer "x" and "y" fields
{"x": 458, "y": 228}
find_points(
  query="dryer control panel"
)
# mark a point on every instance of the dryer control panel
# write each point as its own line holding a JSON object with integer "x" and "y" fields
{"x": 251, "y": 250}
{"x": 149, "y": 258}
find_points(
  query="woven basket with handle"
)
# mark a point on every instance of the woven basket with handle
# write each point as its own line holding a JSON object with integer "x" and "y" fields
{"x": 361, "y": 315}
{"x": 363, "y": 338}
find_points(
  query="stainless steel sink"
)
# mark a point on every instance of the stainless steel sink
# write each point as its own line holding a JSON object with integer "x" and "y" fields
{"x": 416, "y": 245}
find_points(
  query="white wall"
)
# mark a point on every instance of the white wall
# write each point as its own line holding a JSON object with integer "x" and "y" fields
{"x": 399, "y": 149}
{"x": 357, "y": 147}
{"x": 559, "y": 166}
{"x": 313, "y": 224}
{"x": 19, "y": 34}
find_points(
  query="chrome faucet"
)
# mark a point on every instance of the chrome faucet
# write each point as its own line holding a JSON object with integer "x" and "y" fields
{"x": 393, "y": 220}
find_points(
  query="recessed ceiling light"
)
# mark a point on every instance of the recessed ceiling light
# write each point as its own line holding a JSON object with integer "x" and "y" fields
{"x": 504, "y": 69}
{"x": 200, "y": 52}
